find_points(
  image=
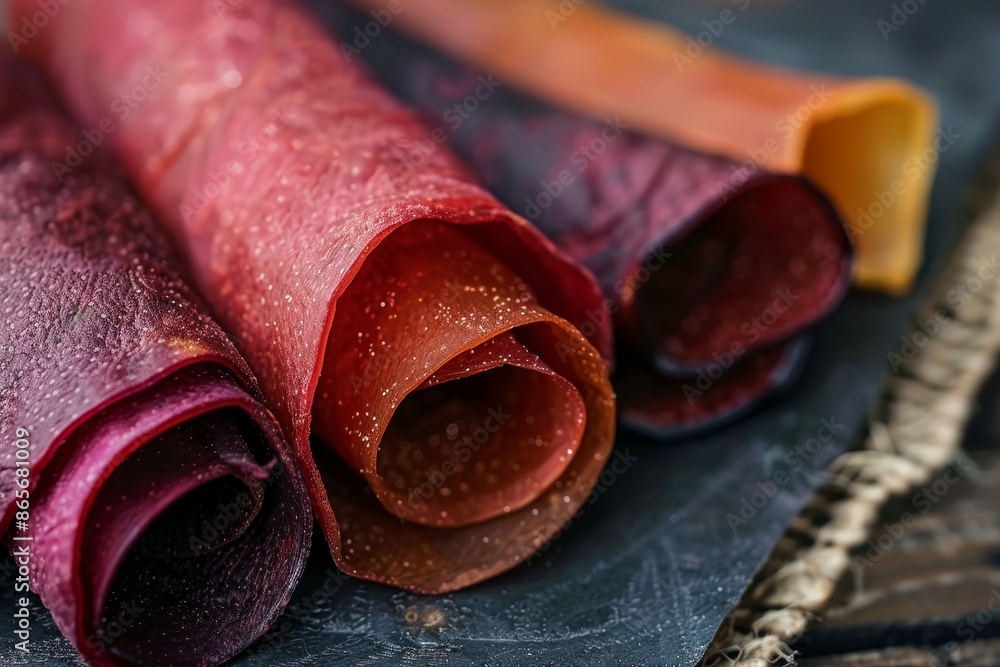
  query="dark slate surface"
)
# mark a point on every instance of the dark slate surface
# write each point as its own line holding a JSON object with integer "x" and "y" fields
{"x": 648, "y": 572}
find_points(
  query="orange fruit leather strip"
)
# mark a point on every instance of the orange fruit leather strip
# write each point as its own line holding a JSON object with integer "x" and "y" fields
{"x": 276, "y": 166}
{"x": 856, "y": 138}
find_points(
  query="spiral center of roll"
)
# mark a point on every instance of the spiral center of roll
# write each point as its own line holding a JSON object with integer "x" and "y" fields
{"x": 469, "y": 449}
{"x": 180, "y": 525}
{"x": 758, "y": 270}
{"x": 429, "y": 389}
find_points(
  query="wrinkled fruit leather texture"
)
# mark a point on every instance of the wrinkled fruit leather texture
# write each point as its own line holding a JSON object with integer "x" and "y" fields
{"x": 645, "y": 575}
{"x": 147, "y": 493}
{"x": 710, "y": 269}
{"x": 418, "y": 341}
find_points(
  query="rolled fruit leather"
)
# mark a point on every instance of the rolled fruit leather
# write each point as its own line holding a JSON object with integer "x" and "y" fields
{"x": 145, "y": 490}
{"x": 712, "y": 275}
{"x": 858, "y": 138}
{"x": 422, "y": 333}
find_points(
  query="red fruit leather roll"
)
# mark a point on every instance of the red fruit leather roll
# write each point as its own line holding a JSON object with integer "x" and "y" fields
{"x": 710, "y": 268}
{"x": 424, "y": 333}
{"x": 146, "y": 492}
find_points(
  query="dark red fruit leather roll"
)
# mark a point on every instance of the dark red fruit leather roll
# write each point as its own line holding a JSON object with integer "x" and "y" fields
{"x": 424, "y": 334}
{"x": 707, "y": 262}
{"x": 145, "y": 491}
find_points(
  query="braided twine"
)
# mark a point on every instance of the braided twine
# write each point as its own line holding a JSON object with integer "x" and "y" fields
{"x": 915, "y": 430}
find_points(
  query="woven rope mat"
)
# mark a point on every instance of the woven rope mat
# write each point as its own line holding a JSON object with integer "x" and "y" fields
{"x": 915, "y": 430}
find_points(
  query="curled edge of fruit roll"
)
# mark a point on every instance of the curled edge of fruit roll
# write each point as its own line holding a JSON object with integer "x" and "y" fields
{"x": 857, "y": 138}
{"x": 280, "y": 251}
{"x": 708, "y": 272}
{"x": 146, "y": 491}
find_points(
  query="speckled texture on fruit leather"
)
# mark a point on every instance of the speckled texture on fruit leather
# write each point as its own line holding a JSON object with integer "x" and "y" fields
{"x": 692, "y": 249}
{"x": 645, "y": 575}
{"x": 106, "y": 355}
{"x": 279, "y": 168}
